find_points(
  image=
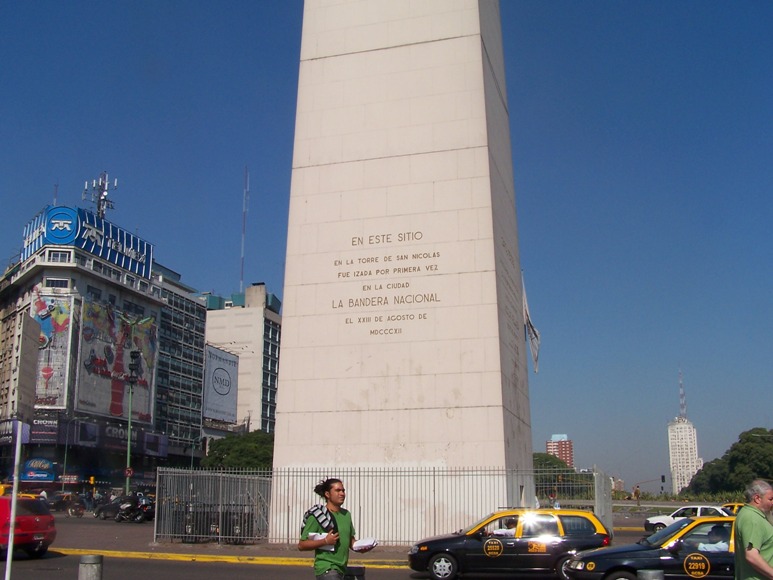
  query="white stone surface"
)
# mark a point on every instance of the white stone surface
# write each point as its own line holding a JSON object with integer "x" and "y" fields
{"x": 402, "y": 338}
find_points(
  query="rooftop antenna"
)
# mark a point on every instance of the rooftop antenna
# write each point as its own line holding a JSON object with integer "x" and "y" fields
{"x": 245, "y": 205}
{"x": 682, "y": 398}
{"x": 99, "y": 190}
{"x": 56, "y": 191}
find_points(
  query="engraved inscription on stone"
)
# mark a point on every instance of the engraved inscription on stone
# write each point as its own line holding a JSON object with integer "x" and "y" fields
{"x": 392, "y": 283}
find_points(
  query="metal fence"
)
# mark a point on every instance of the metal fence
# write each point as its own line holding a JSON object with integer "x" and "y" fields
{"x": 205, "y": 506}
{"x": 397, "y": 506}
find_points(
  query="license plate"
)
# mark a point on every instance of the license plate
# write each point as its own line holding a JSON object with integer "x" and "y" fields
{"x": 39, "y": 537}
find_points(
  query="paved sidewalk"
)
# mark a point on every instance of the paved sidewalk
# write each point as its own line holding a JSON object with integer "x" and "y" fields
{"x": 81, "y": 537}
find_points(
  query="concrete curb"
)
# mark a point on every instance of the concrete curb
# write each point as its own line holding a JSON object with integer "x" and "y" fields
{"x": 263, "y": 560}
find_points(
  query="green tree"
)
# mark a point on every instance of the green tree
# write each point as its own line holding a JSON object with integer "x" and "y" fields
{"x": 254, "y": 450}
{"x": 552, "y": 476}
{"x": 712, "y": 478}
{"x": 547, "y": 461}
{"x": 751, "y": 457}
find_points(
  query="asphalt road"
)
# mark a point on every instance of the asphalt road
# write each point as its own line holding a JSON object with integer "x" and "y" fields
{"x": 129, "y": 553}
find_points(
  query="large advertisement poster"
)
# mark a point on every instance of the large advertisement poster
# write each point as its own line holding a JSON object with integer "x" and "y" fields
{"x": 54, "y": 314}
{"x": 221, "y": 371}
{"x": 108, "y": 337}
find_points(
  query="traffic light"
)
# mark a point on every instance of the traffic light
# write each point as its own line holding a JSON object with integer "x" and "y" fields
{"x": 91, "y": 480}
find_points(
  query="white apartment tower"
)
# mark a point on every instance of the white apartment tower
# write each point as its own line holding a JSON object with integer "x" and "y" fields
{"x": 682, "y": 446}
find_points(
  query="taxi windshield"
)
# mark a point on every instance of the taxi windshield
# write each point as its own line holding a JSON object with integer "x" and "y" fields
{"x": 477, "y": 524}
{"x": 662, "y": 537}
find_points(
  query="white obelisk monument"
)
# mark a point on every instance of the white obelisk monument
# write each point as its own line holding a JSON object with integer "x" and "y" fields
{"x": 403, "y": 332}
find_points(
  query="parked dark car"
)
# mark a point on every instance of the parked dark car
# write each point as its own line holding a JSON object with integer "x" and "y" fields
{"x": 511, "y": 541}
{"x": 35, "y": 529}
{"x": 61, "y": 501}
{"x": 109, "y": 510}
{"x": 689, "y": 548}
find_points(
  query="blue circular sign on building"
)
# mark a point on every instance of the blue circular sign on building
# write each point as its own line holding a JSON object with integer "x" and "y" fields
{"x": 61, "y": 225}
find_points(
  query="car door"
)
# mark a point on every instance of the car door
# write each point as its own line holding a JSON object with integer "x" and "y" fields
{"x": 685, "y": 512}
{"x": 536, "y": 543}
{"x": 488, "y": 549}
{"x": 695, "y": 555}
{"x": 494, "y": 548}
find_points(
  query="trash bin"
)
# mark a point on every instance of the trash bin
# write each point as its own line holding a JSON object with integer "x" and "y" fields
{"x": 355, "y": 573}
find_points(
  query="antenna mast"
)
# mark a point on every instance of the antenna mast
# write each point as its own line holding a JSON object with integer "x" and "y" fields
{"x": 682, "y": 399}
{"x": 56, "y": 191}
{"x": 245, "y": 205}
{"x": 99, "y": 191}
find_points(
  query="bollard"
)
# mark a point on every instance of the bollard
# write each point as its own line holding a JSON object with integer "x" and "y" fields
{"x": 649, "y": 574}
{"x": 355, "y": 573}
{"x": 90, "y": 568}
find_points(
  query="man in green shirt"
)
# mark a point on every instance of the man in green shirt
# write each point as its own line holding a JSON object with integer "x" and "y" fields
{"x": 754, "y": 534}
{"x": 329, "y": 531}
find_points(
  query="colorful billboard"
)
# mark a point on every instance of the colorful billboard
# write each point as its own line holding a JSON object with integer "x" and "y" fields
{"x": 54, "y": 314}
{"x": 108, "y": 337}
{"x": 221, "y": 370}
{"x": 60, "y": 225}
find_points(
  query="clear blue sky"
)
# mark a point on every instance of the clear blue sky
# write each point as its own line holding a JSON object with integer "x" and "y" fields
{"x": 642, "y": 137}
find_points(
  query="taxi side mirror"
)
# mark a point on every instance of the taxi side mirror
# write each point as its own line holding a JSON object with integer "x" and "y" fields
{"x": 675, "y": 547}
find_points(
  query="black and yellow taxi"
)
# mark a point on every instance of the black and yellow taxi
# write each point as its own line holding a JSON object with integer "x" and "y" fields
{"x": 518, "y": 540}
{"x": 689, "y": 548}
{"x": 732, "y": 506}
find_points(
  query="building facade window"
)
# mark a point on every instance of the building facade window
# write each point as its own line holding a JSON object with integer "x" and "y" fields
{"x": 132, "y": 308}
{"x": 57, "y": 283}
{"x": 59, "y": 256}
{"x": 93, "y": 292}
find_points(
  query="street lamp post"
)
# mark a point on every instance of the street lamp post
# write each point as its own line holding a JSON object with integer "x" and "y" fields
{"x": 134, "y": 366}
{"x": 193, "y": 447}
{"x": 66, "y": 445}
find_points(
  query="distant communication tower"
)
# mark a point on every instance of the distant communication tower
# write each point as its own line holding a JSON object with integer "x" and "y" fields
{"x": 99, "y": 191}
{"x": 245, "y": 205}
{"x": 682, "y": 399}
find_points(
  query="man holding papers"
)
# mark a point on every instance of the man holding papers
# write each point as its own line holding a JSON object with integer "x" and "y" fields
{"x": 328, "y": 530}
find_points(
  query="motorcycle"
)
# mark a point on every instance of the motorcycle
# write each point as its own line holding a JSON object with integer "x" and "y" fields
{"x": 75, "y": 510}
{"x": 130, "y": 511}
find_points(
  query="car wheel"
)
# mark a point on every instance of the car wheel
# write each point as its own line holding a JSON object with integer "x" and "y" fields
{"x": 658, "y": 527}
{"x": 442, "y": 567}
{"x": 620, "y": 575}
{"x": 561, "y": 567}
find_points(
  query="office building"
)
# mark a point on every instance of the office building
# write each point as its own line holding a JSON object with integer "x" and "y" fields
{"x": 249, "y": 325}
{"x": 118, "y": 334}
{"x": 682, "y": 446}
{"x": 682, "y": 453}
{"x": 562, "y": 447}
